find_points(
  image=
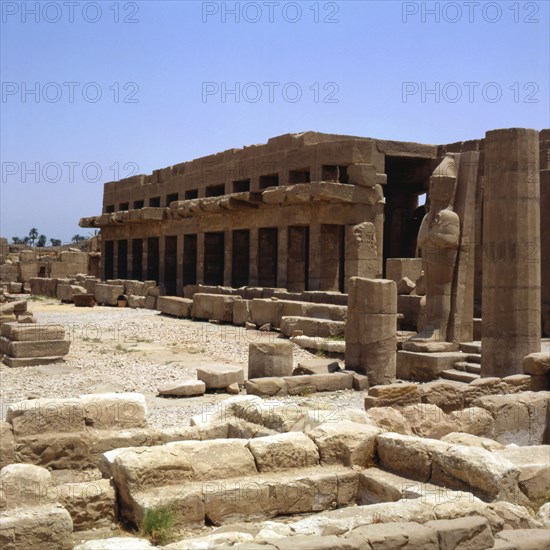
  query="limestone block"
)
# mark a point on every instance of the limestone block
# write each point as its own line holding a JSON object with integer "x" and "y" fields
{"x": 39, "y": 416}
{"x": 459, "y": 438}
{"x": 375, "y": 296}
{"x": 405, "y": 286}
{"x": 30, "y": 332}
{"x": 213, "y": 306}
{"x": 150, "y": 302}
{"x": 390, "y": 395}
{"x": 241, "y": 312}
{"x": 409, "y": 306}
{"x": 534, "y": 469}
{"x": 173, "y": 305}
{"x": 520, "y": 418}
{"x": 283, "y": 452}
{"x": 45, "y": 348}
{"x": 346, "y": 442}
{"x": 320, "y": 328}
{"x": 37, "y": 527}
{"x": 471, "y": 532}
{"x": 317, "y": 366}
{"x": 525, "y": 539}
{"x": 409, "y": 456}
{"x": 266, "y": 359}
{"x": 475, "y": 421}
{"x": 536, "y": 363}
{"x": 108, "y": 294}
{"x": 297, "y": 385}
{"x": 91, "y": 504}
{"x": 9, "y": 273}
{"x": 23, "y": 485}
{"x": 427, "y": 420}
{"x": 65, "y": 292}
{"x": 183, "y": 388}
{"x": 136, "y": 302}
{"x": 389, "y": 420}
{"x": 425, "y": 366}
{"x": 362, "y": 174}
{"x": 115, "y": 410}
{"x": 266, "y": 387}
{"x": 398, "y": 535}
{"x": 43, "y": 286}
{"x": 16, "y": 307}
{"x": 7, "y": 445}
{"x": 398, "y": 268}
{"x": 447, "y": 395}
{"x": 220, "y": 376}
{"x": 63, "y": 450}
{"x": 15, "y": 288}
{"x": 480, "y": 471}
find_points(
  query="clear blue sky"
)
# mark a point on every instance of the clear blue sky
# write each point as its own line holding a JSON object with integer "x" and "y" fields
{"x": 349, "y": 59}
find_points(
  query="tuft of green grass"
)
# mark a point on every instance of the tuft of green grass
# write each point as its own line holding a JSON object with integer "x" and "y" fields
{"x": 338, "y": 337}
{"x": 123, "y": 349}
{"x": 321, "y": 353}
{"x": 37, "y": 298}
{"x": 158, "y": 525}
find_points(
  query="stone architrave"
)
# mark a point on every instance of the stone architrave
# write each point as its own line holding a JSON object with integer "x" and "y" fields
{"x": 371, "y": 330}
{"x": 511, "y": 298}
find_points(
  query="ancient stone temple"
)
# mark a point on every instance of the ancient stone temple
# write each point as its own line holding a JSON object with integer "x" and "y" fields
{"x": 308, "y": 211}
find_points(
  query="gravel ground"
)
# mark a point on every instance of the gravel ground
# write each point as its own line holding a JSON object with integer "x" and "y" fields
{"x": 130, "y": 350}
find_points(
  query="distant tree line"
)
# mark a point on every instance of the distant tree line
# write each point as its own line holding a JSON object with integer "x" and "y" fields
{"x": 40, "y": 240}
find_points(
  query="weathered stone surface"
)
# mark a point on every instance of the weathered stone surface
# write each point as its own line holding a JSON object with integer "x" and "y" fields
{"x": 267, "y": 359}
{"x": 520, "y": 418}
{"x": 534, "y": 469}
{"x": 26, "y": 349}
{"x": 316, "y": 366}
{"x": 266, "y": 387}
{"x": 336, "y": 381}
{"x": 392, "y": 395}
{"x": 473, "y": 532}
{"x": 108, "y": 294}
{"x": 241, "y": 312}
{"x": 409, "y": 456}
{"x": 511, "y": 304}
{"x": 405, "y": 286}
{"x": 489, "y": 476}
{"x": 184, "y": 388}
{"x": 220, "y": 376}
{"x": 390, "y": 420}
{"x": 7, "y": 445}
{"x": 23, "y": 486}
{"x": 536, "y": 363}
{"x": 66, "y": 292}
{"x": 427, "y": 420}
{"x": 458, "y": 438}
{"x": 526, "y": 539}
{"x": 446, "y": 395}
{"x": 317, "y": 328}
{"x": 398, "y": 268}
{"x": 136, "y": 302}
{"x": 283, "y": 452}
{"x": 38, "y": 527}
{"x": 32, "y": 331}
{"x": 115, "y": 410}
{"x": 543, "y": 515}
{"x": 39, "y": 416}
{"x": 91, "y": 504}
{"x": 173, "y": 305}
{"x": 346, "y": 442}
{"x": 213, "y": 306}
{"x": 407, "y": 535}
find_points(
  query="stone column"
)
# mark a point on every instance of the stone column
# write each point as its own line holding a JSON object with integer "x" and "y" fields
{"x": 315, "y": 243}
{"x": 511, "y": 251}
{"x": 200, "y": 258}
{"x": 544, "y": 144}
{"x": 228, "y": 257}
{"x": 162, "y": 260}
{"x": 115, "y": 259}
{"x": 282, "y": 257}
{"x": 179, "y": 255}
{"x": 371, "y": 329}
{"x": 253, "y": 243}
{"x": 145, "y": 259}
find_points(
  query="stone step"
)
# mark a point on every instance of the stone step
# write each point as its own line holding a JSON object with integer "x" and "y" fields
{"x": 316, "y": 328}
{"x": 459, "y": 376}
{"x": 465, "y": 366}
{"x": 470, "y": 347}
{"x": 474, "y": 358}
